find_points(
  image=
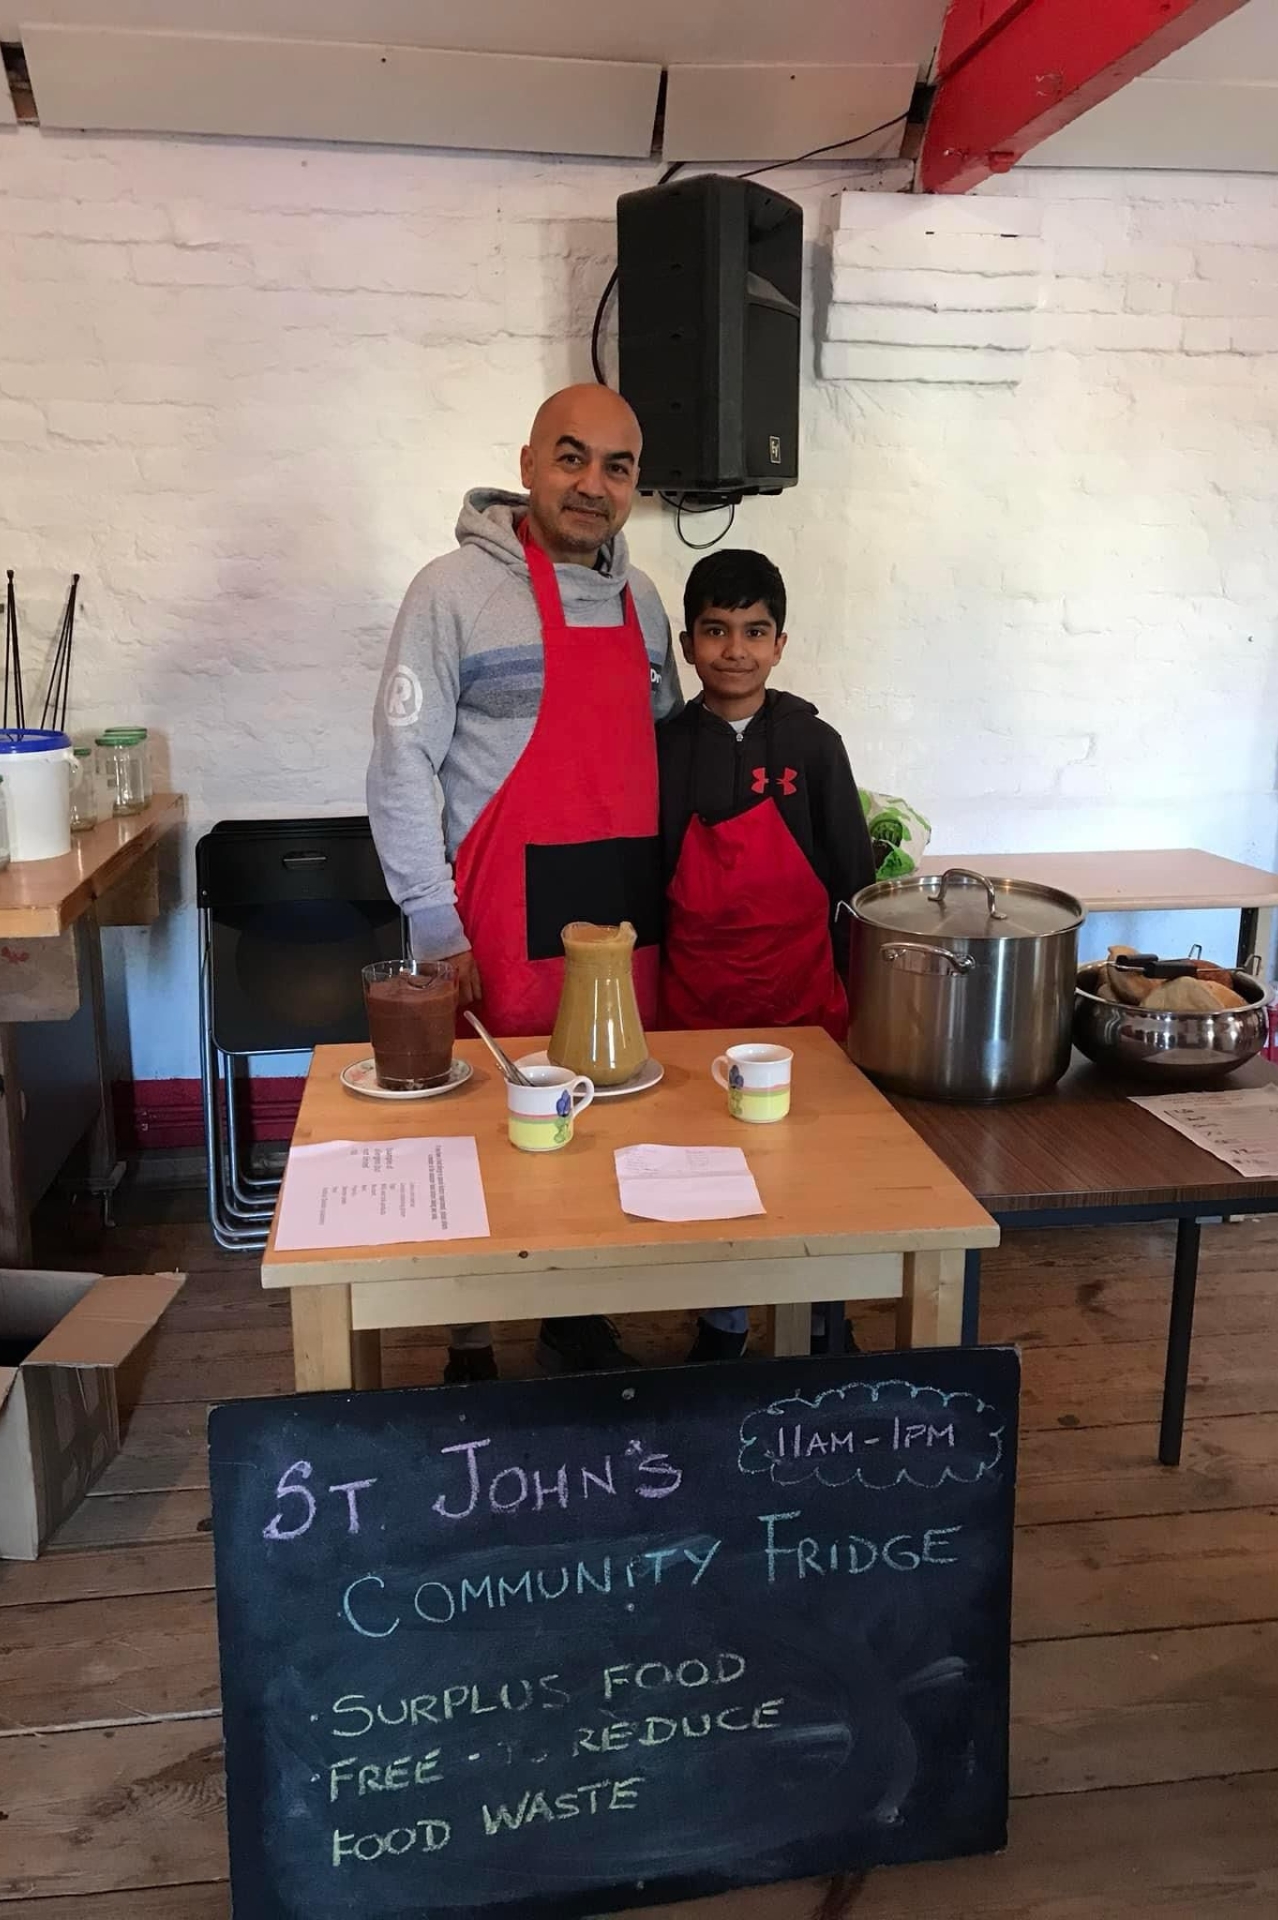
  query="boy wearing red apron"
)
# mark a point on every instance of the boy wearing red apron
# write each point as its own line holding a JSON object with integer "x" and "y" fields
{"x": 762, "y": 836}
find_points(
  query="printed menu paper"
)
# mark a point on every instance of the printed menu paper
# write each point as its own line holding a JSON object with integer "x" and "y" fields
{"x": 374, "y": 1193}
{"x": 1239, "y": 1128}
{"x": 686, "y": 1183}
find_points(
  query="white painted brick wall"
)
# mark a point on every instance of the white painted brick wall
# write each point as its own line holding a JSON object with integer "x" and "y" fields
{"x": 242, "y": 388}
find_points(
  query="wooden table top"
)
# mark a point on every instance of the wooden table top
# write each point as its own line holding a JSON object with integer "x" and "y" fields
{"x": 40, "y": 898}
{"x": 1139, "y": 882}
{"x": 842, "y": 1175}
{"x": 1083, "y": 1145}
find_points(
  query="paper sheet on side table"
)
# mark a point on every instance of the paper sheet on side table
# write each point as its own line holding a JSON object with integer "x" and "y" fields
{"x": 1239, "y": 1128}
{"x": 686, "y": 1183}
{"x": 373, "y": 1193}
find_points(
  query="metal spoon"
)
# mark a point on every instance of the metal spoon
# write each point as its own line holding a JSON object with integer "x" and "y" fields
{"x": 504, "y": 1061}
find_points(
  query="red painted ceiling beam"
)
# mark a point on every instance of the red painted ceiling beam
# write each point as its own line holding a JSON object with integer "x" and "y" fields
{"x": 1011, "y": 72}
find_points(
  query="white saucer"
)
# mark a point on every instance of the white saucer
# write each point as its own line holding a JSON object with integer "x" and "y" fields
{"x": 362, "y": 1078}
{"x": 650, "y": 1075}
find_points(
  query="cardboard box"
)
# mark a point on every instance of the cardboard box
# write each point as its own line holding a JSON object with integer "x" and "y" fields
{"x": 65, "y": 1341}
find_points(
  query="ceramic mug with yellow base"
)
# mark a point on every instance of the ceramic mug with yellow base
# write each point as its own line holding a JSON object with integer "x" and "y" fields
{"x": 539, "y": 1118}
{"x": 756, "y": 1078}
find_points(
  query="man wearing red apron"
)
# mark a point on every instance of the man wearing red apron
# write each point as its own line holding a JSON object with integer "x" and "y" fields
{"x": 523, "y": 680}
{"x": 762, "y": 833}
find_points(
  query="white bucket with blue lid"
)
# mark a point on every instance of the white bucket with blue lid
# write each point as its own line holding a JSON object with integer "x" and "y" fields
{"x": 36, "y": 764}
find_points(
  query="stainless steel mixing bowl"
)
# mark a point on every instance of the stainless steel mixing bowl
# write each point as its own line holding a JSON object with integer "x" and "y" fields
{"x": 1166, "y": 1046}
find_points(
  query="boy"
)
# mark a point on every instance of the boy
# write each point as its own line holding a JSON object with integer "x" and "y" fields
{"x": 762, "y": 835}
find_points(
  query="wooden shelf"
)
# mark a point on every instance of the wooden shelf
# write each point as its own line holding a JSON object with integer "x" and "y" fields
{"x": 39, "y": 899}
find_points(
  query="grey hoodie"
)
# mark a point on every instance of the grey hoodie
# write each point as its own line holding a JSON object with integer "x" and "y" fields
{"x": 460, "y": 693}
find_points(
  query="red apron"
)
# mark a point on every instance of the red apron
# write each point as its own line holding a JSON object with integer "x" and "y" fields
{"x": 572, "y": 832}
{"x": 747, "y": 930}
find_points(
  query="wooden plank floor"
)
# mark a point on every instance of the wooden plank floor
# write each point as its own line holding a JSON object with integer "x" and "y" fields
{"x": 1145, "y": 1676}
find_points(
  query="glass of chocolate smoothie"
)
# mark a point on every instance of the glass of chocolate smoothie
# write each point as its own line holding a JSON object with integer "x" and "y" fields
{"x": 412, "y": 1014}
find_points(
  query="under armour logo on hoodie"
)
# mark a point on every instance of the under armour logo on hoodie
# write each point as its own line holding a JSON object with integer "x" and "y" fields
{"x": 787, "y": 782}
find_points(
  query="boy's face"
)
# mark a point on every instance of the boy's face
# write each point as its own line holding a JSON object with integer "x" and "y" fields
{"x": 733, "y": 649}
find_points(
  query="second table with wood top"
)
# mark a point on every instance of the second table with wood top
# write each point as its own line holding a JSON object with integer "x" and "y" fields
{"x": 1151, "y": 880}
{"x": 857, "y": 1207}
{"x": 1085, "y": 1155}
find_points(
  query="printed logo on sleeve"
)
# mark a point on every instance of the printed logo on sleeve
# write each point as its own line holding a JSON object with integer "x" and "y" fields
{"x": 402, "y": 700}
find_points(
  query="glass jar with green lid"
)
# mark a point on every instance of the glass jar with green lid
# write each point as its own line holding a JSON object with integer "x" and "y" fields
{"x": 138, "y": 738}
{"x": 120, "y": 762}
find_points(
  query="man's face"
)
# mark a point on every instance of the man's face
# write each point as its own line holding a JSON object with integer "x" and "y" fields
{"x": 580, "y": 470}
{"x": 734, "y": 649}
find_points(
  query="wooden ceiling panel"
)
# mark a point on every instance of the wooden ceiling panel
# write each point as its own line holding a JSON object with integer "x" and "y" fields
{"x": 877, "y": 32}
{"x": 718, "y": 113}
{"x": 103, "y": 79}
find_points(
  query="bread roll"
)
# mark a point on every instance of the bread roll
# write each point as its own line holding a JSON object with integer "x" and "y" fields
{"x": 1225, "y": 997}
{"x": 1183, "y": 996}
{"x": 1130, "y": 989}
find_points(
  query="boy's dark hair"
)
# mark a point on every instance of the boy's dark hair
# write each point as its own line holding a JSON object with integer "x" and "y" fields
{"x": 734, "y": 577}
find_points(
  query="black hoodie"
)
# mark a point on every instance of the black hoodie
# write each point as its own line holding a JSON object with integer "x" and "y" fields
{"x": 786, "y": 754}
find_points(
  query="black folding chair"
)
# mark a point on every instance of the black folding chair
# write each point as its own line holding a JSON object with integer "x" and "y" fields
{"x": 289, "y": 912}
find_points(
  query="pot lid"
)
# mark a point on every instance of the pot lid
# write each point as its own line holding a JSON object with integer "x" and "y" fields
{"x": 960, "y": 905}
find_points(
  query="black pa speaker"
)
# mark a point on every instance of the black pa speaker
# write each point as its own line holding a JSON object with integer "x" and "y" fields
{"x": 709, "y": 288}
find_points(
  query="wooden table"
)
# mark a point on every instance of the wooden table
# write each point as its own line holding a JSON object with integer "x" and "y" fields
{"x": 1154, "y": 881}
{"x": 1083, "y": 1155}
{"x": 51, "y": 916}
{"x": 857, "y": 1209}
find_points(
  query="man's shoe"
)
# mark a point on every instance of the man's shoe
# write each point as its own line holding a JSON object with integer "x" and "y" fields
{"x": 584, "y": 1343}
{"x": 712, "y": 1343}
{"x": 468, "y": 1364}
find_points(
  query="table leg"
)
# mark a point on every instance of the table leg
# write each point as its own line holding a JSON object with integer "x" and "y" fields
{"x": 1180, "y": 1333}
{"x": 1248, "y": 934}
{"x": 15, "y": 1213}
{"x": 105, "y": 1169}
{"x": 791, "y": 1328}
{"x": 971, "y": 1297}
{"x": 931, "y": 1310}
{"x": 326, "y": 1353}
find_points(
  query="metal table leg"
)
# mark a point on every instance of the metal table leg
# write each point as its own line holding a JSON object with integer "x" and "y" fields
{"x": 1180, "y": 1333}
{"x": 1248, "y": 934}
{"x": 971, "y": 1297}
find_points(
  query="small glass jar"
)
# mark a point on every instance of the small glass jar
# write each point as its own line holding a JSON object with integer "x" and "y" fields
{"x": 4, "y": 826}
{"x": 84, "y": 790}
{"x": 121, "y": 765}
{"x": 138, "y": 738}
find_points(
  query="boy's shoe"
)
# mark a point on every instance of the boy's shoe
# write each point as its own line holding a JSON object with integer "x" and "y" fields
{"x": 581, "y": 1343}
{"x": 467, "y": 1364}
{"x": 712, "y": 1343}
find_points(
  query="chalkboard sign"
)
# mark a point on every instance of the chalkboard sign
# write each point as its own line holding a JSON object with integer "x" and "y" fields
{"x": 552, "y": 1648}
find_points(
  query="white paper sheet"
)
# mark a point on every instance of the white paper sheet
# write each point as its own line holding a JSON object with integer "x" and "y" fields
{"x": 373, "y": 1193}
{"x": 686, "y": 1183}
{"x": 1239, "y": 1128}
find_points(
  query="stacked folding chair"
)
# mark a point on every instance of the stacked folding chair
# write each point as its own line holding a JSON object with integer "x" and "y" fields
{"x": 289, "y": 912}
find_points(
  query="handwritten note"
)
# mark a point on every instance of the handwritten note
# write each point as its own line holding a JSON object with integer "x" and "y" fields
{"x": 1239, "y": 1128}
{"x": 375, "y": 1193}
{"x": 686, "y": 1183}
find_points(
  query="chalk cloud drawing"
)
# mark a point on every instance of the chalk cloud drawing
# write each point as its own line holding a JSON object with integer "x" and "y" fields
{"x": 875, "y": 1433}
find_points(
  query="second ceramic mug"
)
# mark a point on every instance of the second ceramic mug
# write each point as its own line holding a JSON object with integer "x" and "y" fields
{"x": 539, "y": 1118}
{"x": 756, "y": 1078}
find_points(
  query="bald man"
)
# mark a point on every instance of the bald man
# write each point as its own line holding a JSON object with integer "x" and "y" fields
{"x": 524, "y": 676}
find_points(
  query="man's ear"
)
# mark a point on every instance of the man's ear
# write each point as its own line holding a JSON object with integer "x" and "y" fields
{"x": 685, "y": 641}
{"x": 526, "y": 467}
{"x": 781, "y": 640}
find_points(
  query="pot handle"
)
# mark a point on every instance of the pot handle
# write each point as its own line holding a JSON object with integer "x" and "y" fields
{"x": 949, "y": 963}
{"x": 966, "y": 873}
